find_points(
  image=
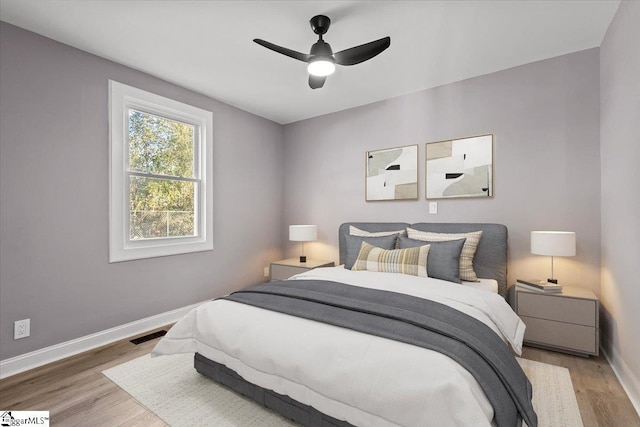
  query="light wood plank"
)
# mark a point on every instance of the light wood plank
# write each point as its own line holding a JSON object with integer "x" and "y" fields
{"x": 75, "y": 391}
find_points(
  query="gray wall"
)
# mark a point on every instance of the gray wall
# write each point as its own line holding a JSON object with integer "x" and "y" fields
{"x": 620, "y": 154}
{"x": 54, "y": 190}
{"x": 545, "y": 117}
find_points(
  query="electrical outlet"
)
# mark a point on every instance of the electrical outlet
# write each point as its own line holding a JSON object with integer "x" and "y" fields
{"x": 21, "y": 329}
{"x": 266, "y": 272}
{"x": 433, "y": 207}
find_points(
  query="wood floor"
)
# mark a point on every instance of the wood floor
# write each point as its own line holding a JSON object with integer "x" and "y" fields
{"x": 76, "y": 393}
{"x": 601, "y": 398}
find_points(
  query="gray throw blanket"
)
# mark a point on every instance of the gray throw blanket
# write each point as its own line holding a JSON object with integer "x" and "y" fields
{"x": 411, "y": 320}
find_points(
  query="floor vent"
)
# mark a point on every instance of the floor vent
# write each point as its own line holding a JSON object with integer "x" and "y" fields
{"x": 149, "y": 337}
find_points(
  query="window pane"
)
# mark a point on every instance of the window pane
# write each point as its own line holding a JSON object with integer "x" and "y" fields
{"x": 161, "y": 208}
{"x": 160, "y": 146}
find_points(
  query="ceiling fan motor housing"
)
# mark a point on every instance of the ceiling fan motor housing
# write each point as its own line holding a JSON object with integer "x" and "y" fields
{"x": 320, "y": 24}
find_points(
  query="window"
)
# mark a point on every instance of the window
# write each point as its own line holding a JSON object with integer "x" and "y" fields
{"x": 160, "y": 175}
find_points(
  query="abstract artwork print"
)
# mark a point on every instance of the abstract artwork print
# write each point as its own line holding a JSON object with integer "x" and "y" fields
{"x": 460, "y": 168}
{"x": 392, "y": 174}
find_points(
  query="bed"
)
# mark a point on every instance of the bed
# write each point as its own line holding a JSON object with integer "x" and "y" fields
{"x": 320, "y": 372}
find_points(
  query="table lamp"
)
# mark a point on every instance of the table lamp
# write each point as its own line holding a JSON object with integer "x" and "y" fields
{"x": 553, "y": 243}
{"x": 303, "y": 233}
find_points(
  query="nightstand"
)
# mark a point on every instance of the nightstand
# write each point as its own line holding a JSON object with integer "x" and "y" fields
{"x": 282, "y": 270}
{"x": 566, "y": 322}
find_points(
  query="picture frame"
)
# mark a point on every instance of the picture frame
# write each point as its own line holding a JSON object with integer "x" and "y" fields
{"x": 392, "y": 174}
{"x": 459, "y": 168}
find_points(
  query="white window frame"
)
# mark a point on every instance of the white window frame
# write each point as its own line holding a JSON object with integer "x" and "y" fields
{"x": 121, "y": 247}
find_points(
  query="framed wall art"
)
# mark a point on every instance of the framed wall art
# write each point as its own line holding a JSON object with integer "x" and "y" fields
{"x": 392, "y": 174}
{"x": 459, "y": 168}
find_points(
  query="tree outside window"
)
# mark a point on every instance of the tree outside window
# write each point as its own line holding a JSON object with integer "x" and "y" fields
{"x": 159, "y": 150}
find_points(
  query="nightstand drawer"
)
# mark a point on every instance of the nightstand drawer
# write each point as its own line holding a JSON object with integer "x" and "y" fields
{"x": 545, "y": 306}
{"x": 577, "y": 338}
{"x": 283, "y": 272}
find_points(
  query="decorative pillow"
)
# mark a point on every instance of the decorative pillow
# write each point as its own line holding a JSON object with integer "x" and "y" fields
{"x": 355, "y": 231}
{"x": 444, "y": 257}
{"x": 468, "y": 249}
{"x": 354, "y": 243}
{"x": 406, "y": 261}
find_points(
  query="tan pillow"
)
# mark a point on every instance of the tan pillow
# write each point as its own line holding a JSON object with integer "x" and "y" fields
{"x": 411, "y": 261}
{"x": 468, "y": 250}
{"x": 355, "y": 231}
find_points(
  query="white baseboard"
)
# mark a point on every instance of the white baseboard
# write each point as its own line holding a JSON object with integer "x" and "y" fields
{"x": 24, "y": 362}
{"x": 627, "y": 378}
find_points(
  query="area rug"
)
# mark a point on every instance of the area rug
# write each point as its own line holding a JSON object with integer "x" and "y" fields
{"x": 553, "y": 396}
{"x": 170, "y": 387}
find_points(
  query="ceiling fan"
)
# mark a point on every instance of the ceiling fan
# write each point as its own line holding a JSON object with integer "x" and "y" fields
{"x": 321, "y": 58}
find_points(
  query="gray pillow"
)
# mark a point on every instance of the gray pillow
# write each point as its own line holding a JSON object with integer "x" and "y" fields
{"x": 443, "y": 261}
{"x": 355, "y": 242}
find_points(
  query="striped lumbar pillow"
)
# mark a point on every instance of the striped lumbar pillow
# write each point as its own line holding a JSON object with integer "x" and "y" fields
{"x": 468, "y": 249}
{"x": 406, "y": 261}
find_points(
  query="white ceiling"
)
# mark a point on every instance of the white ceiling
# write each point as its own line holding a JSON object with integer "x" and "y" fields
{"x": 207, "y": 46}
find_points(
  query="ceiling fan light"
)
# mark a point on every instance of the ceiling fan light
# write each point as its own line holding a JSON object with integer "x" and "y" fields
{"x": 321, "y": 67}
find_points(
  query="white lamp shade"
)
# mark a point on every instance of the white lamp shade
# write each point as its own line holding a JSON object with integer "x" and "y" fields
{"x": 303, "y": 233}
{"x": 553, "y": 243}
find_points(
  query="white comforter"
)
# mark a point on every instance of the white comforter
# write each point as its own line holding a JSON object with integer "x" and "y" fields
{"x": 363, "y": 379}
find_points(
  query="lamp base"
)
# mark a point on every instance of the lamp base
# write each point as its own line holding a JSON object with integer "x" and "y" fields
{"x": 303, "y": 258}
{"x": 554, "y": 281}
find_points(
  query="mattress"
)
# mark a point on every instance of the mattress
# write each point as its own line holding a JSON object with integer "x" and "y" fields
{"x": 489, "y": 285}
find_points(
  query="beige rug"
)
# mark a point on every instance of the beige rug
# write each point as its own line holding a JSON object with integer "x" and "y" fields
{"x": 174, "y": 391}
{"x": 553, "y": 396}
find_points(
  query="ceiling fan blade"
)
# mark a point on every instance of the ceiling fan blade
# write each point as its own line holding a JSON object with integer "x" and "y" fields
{"x": 358, "y": 54}
{"x": 316, "y": 82}
{"x": 283, "y": 50}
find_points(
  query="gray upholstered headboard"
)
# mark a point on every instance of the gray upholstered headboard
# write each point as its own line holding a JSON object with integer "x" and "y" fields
{"x": 490, "y": 261}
